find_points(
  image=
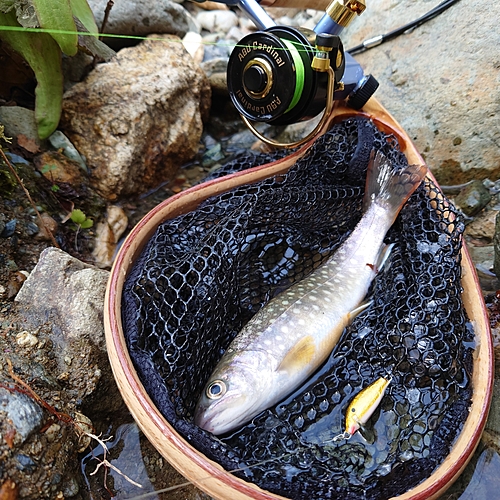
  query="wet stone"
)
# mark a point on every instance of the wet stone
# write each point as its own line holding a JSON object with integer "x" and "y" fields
{"x": 21, "y": 412}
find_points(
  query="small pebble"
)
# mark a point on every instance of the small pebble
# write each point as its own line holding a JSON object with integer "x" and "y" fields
{"x": 48, "y": 225}
{"x": 9, "y": 229}
{"x": 83, "y": 427}
{"x": 32, "y": 229}
{"x": 26, "y": 339}
{"x": 473, "y": 198}
{"x": 52, "y": 433}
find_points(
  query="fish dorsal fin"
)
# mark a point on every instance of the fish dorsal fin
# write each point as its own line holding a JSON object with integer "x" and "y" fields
{"x": 299, "y": 355}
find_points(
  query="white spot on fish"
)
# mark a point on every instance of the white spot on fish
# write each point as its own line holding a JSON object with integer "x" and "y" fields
{"x": 267, "y": 342}
{"x": 285, "y": 329}
{"x": 279, "y": 338}
{"x": 282, "y": 347}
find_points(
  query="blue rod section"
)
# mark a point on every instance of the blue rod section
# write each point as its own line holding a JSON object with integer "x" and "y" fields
{"x": 328, "y": 25}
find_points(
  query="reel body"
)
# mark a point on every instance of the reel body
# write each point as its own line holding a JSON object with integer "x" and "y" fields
{"x": 271, "y": 79}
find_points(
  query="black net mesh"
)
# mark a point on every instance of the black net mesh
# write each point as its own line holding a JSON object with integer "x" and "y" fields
{"x": 205, "y": 274}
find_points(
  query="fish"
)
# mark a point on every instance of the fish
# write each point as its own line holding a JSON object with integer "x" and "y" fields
{"x": 292, "y": 335}
{"x": 362, "y": 407}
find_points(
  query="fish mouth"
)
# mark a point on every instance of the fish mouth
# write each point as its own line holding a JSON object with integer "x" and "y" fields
{"x": 212, "y": 418}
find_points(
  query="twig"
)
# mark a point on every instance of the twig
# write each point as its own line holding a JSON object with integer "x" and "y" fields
{"x": 64, "y": 417}
{"x": 109, "y": 6}
{"x": 19, "y": 180}
{"x": 106, "y": 462}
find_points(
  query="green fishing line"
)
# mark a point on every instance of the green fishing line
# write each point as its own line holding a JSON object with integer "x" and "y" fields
{"x": 299, "y": 73}
{"x": 293, "y": 49}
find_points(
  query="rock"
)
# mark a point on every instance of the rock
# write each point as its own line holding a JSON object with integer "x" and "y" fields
{"x": 139, "y": 18}
{"x": 440, "y": 82}
{"x": 482, "y": 228}
{"x": 57, "y": 168}
{"x": 193, "y": 43}
{"x": 215, "y": 66}
{"x": 9, "y": 228}
{"x": 60, "y": 142}
{"x": 108, "y": 234}
{"x": 210, "y": 5}
{"x": 21, "y": 416}
{"x": 215, "y": 21}
{"x": 216, "y": 47}
{"x": 9, "y": 490}
{"x": 218, "y": 84}
{"x": 14, "y": 284}
{"x": 47, "y": 226}
{"x": 20, "y": 123}
{"x": 473, "y": 198}
{"x": 69, "y": 292}
{"x": 66, "y": 296}
{"x": 138, "y": 118}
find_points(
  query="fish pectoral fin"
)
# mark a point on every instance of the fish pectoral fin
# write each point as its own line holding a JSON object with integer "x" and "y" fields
{"x": 358, "y": 310}
{"x": 299, "y": 355}
{"x": 384, "y": 255}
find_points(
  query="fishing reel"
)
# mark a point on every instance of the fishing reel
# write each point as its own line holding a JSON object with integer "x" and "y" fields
{"x": 282, "y": 75}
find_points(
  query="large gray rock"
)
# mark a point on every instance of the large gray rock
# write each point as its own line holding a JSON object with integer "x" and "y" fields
{"x": 139, "y": 18}
{"x": 440, "y": 81}
{"x": 68, "y": 295}
{"x": 138, "y": 118}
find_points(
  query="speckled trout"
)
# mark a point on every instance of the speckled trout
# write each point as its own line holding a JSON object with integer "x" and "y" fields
{"x": 293, "y": 334}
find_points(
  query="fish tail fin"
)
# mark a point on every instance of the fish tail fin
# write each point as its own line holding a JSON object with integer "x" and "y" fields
{"x": 388, "y": 186}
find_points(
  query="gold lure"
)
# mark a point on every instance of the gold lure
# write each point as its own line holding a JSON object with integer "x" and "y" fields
{"x": 362, "y": 407}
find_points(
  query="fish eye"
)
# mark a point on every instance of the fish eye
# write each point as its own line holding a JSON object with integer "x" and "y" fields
{"x": 216, "y": 389}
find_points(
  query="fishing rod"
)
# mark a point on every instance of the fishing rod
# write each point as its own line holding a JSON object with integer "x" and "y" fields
{"x": 377, "y": 40}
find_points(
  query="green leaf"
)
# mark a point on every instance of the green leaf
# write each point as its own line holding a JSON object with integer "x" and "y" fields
{"x": 87, "y": 223}
{"x": 57, "y": 15}
{"x": 82, "y": 11}
{"x": 48, "y": 168}
{"x": 78, "y": 217}
{"x": 43, "y": 55}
